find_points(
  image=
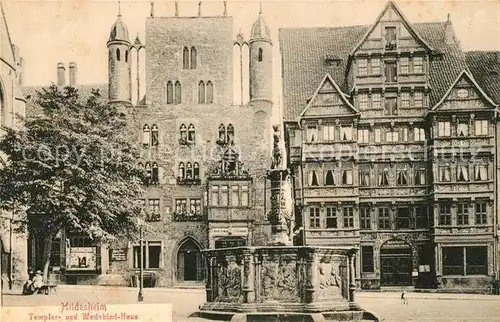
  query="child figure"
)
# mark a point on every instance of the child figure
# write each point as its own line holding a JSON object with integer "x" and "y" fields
{"x": 404, "y": 300}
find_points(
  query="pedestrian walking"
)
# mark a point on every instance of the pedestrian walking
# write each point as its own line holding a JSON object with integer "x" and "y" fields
{"x": 404, "y": 300}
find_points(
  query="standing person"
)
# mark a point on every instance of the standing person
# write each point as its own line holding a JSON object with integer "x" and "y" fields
{"x": 404, "y": 300}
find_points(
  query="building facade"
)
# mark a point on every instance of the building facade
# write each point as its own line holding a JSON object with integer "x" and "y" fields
{"x": 205, "y": 156}
{"x": 12, "y": 104}
{"x": 391, "y": 134}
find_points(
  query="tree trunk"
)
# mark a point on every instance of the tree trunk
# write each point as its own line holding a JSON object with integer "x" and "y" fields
{"x": 47, "y": 249}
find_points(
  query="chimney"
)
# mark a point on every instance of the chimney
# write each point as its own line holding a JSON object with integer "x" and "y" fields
{"x": 449, "y": 35}
{"x": 72, "y": 74}
{"x": 61, "y": 74}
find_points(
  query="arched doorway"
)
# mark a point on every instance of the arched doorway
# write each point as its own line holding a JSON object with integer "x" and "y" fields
{"x": 189, "y": 262}
{"x": 395, "y": 263}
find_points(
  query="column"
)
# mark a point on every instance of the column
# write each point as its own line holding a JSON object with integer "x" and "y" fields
{"x": 311, "y": 276}
{"x": 352, "y": 277}
{"x": 209, "y": 287}
{"x": 248, "y": 278}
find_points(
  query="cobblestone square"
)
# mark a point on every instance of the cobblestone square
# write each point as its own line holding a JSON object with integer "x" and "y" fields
{"x": 386, "y": 306}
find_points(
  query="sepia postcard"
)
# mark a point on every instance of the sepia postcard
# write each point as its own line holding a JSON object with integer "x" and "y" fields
{"x": 309, "y": 160}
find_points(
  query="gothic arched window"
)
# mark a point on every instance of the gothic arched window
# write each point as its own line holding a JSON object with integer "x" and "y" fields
{"x": 148, "y": 171}
{"x": 170, "y": 92}
{"x": 177, "y": 92}
{"x": 193, "y": 58}
{"x": 154, "y": 135}
{"x": 196, "y": 170}
{"x": 185, "y": 58}
{"x": 189, "y": 170}
{"x": 230, "y": 133}
{"x": 146, "y": 135}
{"x": 183, "y": 131}
{"x": 126, "y": 56}
{"x": 260, "y": 53}
{"x": 210, "y": 92}
{"x": 181, "y": 170}
{"x": 222, "y": 133}
{"x": 191, "y": 133}
{"x": 201, "y": 92}
{"x": 118, "y": 54}
{"x": 155, "y": 178}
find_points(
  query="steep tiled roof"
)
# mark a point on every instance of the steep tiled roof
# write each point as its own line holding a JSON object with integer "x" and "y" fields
{"x": 30, "y": 93}
{"x": 485, "y": 67}
{"x": 443, "y": 72}
{"x": 303, "y": 52}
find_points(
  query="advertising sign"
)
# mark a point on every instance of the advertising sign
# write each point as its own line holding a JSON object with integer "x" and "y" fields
{"x": 118, "y": 254}
{"x": 81, "y": 258}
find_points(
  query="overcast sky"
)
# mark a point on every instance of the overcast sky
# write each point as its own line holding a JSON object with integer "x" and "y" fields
{"x": 49, "y": 31}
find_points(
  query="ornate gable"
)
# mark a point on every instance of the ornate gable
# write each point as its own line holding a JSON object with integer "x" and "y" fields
{"x": 464, "y": 94}
{"x": 328, "y": 100}
{"x": 391, "y": 31}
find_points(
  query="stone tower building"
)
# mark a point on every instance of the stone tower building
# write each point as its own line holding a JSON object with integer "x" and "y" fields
{"x": 119, "y": 62}
{"x": 205, "y": 156}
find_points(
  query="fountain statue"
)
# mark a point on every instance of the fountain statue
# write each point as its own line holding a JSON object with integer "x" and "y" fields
{"x": 279, "y": 281}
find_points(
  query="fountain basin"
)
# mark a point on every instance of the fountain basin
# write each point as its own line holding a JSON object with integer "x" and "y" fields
{"x": 279, "y": 283}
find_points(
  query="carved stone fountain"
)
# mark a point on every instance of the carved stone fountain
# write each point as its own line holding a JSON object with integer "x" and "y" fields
{"x": 280, "y": 282}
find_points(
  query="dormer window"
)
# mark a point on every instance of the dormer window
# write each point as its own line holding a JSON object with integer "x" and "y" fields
{"x": 390, "y": 38}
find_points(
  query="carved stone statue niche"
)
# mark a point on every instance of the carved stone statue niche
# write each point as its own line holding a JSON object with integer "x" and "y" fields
{"x": 277, "y": 153}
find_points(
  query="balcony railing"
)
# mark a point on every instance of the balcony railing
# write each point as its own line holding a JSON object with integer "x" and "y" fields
{"x": 188, "y": 181}
{"x": 187, "y": 216}
{"x": 153, "y": 217}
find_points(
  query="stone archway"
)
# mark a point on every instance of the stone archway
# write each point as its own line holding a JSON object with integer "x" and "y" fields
{"x": 189, "y": 261}
{"x": 395, "y": 263}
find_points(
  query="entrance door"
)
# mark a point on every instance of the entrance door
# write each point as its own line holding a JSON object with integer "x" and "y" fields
{"x": 189, "y": 262}
{"x": 190, "y": 265}
{"x": 395, "y": 265}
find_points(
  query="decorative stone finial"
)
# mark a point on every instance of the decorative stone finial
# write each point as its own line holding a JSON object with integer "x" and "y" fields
{"x": 176, "y": 8}
{"x": 152, "y": 11}
{"x": 119, "y": 8}
{"x": 225, "y": 8}
{"x": 199, "y": 9}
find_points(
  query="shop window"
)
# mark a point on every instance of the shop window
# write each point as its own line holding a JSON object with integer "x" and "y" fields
{"x": 453, "y": 260}
{"x": 151, "y": 255}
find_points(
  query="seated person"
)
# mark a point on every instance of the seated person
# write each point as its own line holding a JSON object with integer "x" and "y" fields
{"x": 37, "y": 282}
